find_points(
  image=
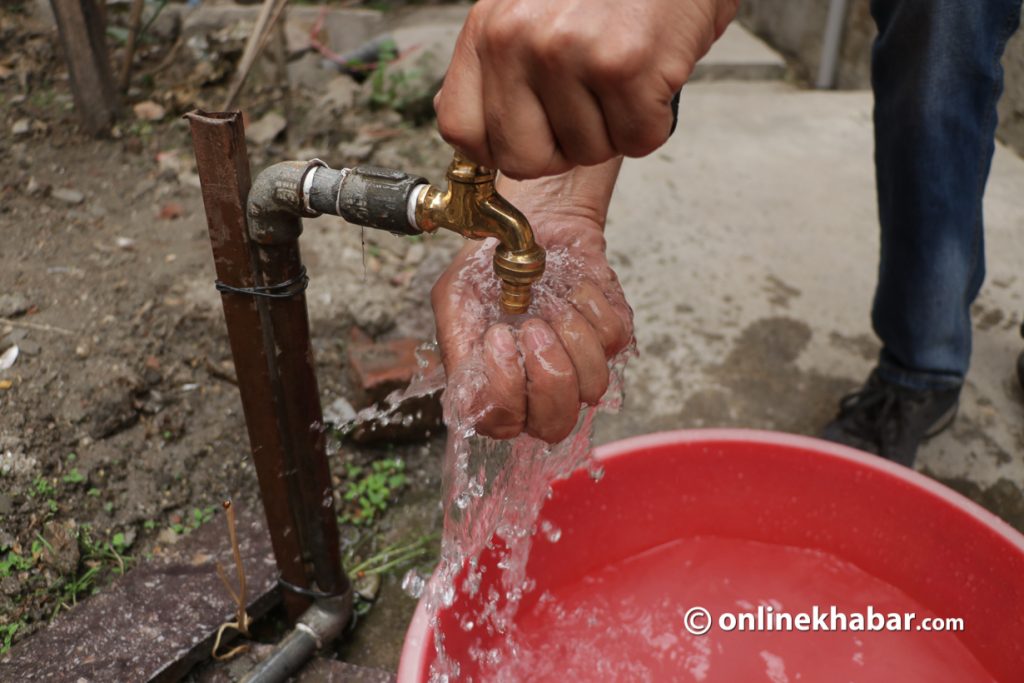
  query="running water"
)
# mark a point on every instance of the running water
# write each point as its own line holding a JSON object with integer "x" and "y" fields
{"x": 494, "y": 490}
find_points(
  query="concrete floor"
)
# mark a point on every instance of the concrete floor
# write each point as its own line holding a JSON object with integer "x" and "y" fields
{"x": 748, "y": 247}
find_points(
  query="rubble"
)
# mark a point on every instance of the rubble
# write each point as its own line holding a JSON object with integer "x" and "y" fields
{"x": 67, "y": 195}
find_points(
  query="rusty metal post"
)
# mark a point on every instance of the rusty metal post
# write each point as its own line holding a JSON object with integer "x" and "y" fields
{"x": 273, "y": 357}
{"x": 302, "y": 414}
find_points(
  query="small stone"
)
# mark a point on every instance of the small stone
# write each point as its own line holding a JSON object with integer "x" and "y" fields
{"x": 149, "y": 111}
{"x": 61, "y": 548}
{"x": 34, "y": 188}
{"x": 12, "y": 305}
{"x": 21, "y": 127}
{"x": 339, "y": 94}
{"x": 266, "y": 129}
{"x": 167, "y": 537}
{"x": 367, "y": 587}
{"x": 29, "y": 347}
{"x": 68, "y": 196}
{"x": 82, "y": 351}
{"x": 171, "y": 210}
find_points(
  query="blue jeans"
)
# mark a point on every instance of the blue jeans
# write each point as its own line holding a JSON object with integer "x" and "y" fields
{"x": 936, "y": 77}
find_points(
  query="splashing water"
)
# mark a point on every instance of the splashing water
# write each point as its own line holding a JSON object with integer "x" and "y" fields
{"x": 494, "y": 490}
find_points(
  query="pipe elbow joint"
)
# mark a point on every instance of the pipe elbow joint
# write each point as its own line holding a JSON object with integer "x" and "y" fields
{"x": 275, "y": 207}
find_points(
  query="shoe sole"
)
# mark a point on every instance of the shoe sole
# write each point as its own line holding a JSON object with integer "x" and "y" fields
{"x": 943, "y": 423}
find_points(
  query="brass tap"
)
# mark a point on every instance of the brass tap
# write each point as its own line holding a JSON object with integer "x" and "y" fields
{"x": 471, "y": 207}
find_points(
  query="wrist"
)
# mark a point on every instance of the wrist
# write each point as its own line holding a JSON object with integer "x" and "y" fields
{"x": 579, "y": 196}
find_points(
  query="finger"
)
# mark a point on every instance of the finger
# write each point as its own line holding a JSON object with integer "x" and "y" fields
{"x": 611, "y": 327}
{"x": 519, "y": 134}
{"x": 639, "y": 118}
{"x": 577, "y": 121}
{"x": 458, "y": 318}
{"x": 459, "y": 104}
{"x": 504, "y": 396}
{"x": 552, "y": 402}
{"x": 584, "y": 348}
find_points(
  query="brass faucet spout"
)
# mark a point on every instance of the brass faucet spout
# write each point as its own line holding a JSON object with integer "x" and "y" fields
{"x": 471, "y": 207}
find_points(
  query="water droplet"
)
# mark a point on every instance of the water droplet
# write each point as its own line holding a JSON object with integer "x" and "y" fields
{"x": 597, "y": 473}
{"x": 413, "y": 584}
{"x": 550, "y": 531}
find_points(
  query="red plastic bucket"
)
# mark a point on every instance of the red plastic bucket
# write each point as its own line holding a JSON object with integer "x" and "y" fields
{"x": 941, "y": 550}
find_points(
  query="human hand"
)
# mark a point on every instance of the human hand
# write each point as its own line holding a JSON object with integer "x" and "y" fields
{"x": 537, "y": 87}
{"x": 532, "y": 373}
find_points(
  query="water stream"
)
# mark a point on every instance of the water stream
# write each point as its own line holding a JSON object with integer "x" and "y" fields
{"x": 493, "y": 490}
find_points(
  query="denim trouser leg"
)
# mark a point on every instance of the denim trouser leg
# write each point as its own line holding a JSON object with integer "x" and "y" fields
{"x": 936, "y": 77}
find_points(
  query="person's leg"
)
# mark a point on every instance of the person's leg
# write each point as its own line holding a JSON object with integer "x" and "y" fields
{"x": 936, "y": 78}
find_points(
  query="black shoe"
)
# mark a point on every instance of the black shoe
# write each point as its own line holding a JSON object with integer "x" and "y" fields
{"x": 891, "y": 421}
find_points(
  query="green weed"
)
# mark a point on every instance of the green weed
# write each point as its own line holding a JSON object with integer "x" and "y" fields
{"x": 200, "y": 516}
{"x": 368, "y": 490}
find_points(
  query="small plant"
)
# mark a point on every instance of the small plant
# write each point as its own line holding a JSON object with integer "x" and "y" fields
{"x": 13, "y": 563}
{"x": 390, "y": 90}
{"x": 98, "y": 552}
{"x": 200, "y": 516}
{"x": 73, "y": 477}
{"x": 7, "y": 632}
{"x": 393, "y": 556}
{"x": 368, "y": 490}
{"x": 42, "y": 487}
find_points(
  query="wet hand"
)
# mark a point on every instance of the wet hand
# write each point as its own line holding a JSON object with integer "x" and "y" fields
{"x": 533, "y": 373}
{"x": 537, "y": 87}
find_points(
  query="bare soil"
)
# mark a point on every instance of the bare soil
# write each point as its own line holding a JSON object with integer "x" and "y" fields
{"x": 120, "y": 422}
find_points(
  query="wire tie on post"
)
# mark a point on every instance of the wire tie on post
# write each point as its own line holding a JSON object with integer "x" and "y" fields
{"x": 284, "y": 290}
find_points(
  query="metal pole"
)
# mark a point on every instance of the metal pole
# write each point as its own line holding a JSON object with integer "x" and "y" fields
{"x": 832, "y": 41}
{"x": 268, "y": 343}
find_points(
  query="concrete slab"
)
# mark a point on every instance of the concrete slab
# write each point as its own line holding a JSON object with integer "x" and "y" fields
{"x": 158, "y": 620}
{"x": 748, "y": 247}
{"x": 740, "y": 55}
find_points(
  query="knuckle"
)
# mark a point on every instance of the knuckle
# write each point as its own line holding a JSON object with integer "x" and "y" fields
{"x": 619, "y": 61}
{"x": 505, "y": 28}
{"x": 451, "y": 128}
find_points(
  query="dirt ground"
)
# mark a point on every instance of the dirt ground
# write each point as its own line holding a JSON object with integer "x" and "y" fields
{"x": 120, "y": 422}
